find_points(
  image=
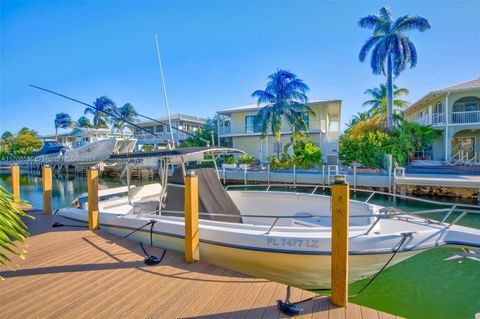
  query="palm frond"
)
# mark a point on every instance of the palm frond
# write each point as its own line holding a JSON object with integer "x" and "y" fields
{"x": 369, "y": 22}
{"x": 407, "y": 23}
{"x": 379, "y": 56}
{"x": 386, "y": 14}
{"x": 367, "y": 46}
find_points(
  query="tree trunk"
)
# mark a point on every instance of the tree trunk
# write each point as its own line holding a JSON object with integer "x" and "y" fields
{"x": 56, "y": 133}
{"x": 389, "y": 94}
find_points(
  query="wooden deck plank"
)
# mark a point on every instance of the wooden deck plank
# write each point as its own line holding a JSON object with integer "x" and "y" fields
{"x": 76, "y": 273}
{"x": 263, "y": 301}
{"x": 193, "y": 304}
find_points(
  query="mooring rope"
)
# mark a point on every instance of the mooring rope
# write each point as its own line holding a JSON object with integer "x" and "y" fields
{"x": 290, "y": 308}
{"x": 149, "y": 259}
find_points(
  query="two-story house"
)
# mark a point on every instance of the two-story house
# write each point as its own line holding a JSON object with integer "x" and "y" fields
{"x": 162, "y": 132}
{"x": 238, "y": 126}
{"x": 455, "y": 112}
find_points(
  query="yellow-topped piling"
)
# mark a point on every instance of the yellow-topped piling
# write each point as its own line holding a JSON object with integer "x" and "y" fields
{"x": 92, "y": 180}
{"x": 15, "y": 172}
{"x": 340, "y": 219}
{"x": 192, "y": 239}
{"x": 47, "y": 189}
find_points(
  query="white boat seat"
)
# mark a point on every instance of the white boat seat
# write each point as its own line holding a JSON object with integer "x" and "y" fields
{"x": 147, "y": 206}
{"x": 141, "y": 192}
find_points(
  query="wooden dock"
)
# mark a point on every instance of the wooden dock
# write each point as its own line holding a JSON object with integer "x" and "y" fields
{"x": 77, "y": 273}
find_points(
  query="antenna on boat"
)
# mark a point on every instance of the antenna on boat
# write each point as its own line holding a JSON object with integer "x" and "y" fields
{"x": 164, "y": 90}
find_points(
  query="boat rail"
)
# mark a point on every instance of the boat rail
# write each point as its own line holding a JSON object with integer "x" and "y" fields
{"x": 373, "y": 192}
{"x": 389, "y": 212}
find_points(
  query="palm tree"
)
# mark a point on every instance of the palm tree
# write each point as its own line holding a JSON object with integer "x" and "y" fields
{"x": 360, "y": 117}
{"x": 283, "y": 98}
{"x": 6, "y": 141}
{"x": 390, "y": 47}
{"x": 125, "y": 113}
{"x": 84, "y": 122}
{"x": 12, "y": 228}
{"x": 100, "y": 118}
{"x": 378, "y": 102}
{"x": 62, "y": 120}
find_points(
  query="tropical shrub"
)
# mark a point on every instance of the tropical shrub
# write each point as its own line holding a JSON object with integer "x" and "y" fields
{"x": 306, "y": 154}
{"x": 363, "y": 148}
{"x": 22, "y": 144}
{"x": 364, "y": 144}
{"x": 147, "y": 147}
{"x": 246, "y": 159}
{"x": 229, "y": 160}
{"x": 284, "y": 162}
{"x": 12, "y": 229}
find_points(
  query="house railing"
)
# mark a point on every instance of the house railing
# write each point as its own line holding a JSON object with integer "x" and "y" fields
{"x": 225, "y": 129}
{"x": 160, "y": 136}
{"x": 466, "y": 117}
{"x": 332, "y": 137}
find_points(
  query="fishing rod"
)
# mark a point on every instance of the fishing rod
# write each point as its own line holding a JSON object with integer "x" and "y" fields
{"x": 116, "y": 116}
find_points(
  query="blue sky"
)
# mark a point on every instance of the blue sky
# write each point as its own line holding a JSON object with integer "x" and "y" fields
{"x": 215, "y": 54}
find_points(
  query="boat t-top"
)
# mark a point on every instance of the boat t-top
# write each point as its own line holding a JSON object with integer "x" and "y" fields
{"x": 273, "y": 234}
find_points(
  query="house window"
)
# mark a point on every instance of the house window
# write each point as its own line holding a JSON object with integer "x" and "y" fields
{"x": 438, "y": 108}
{"x": 250, "y": 126}
{"x": 159, "y": 129}
{"x": 467, "y": 104}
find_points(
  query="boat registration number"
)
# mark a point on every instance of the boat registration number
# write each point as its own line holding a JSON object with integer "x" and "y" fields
{"x": 293, "y": 242}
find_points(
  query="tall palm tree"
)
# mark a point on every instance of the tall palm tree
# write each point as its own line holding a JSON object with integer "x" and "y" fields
{"x": 125, "y": 113}
{"x": 62, "y": 120}
{"x": 102, "y": 104}
{"x": 84, "y": 122}
{"x": 392, "y": 50}
{"x": 378, "y": 102}
{"x": 283, "y": 98}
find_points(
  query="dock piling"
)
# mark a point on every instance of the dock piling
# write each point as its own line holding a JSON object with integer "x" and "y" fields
{"x": 15, "y": 172}
{"x": 340, "y": 219}
{"x": 192, "y": 240}
{"x": 92, "y": 180}
{"x": 47, "y": 189}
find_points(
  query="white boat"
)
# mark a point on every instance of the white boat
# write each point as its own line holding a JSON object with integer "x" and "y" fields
{"x": 96, "y": 145}
{"x": 281, "y": 236}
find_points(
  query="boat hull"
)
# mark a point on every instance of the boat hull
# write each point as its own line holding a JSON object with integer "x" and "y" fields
{"x": 94, "y": 152}
{"x": 306, "y": 271}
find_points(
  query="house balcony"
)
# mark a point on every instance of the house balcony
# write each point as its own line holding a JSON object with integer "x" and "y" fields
{"x": 469, "y": 117}
{"x": 222, "y": 130}
{"x": 160, "y": 138}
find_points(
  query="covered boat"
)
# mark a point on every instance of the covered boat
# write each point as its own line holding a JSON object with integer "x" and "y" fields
{"x": 281, "y": 236}
{"x": 92, "y": 145}
{"x": 49, "y": 148}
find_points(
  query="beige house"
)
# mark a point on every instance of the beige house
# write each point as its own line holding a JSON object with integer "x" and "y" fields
{"x": 236, "y": 128}
{"x": 455, "y": 112}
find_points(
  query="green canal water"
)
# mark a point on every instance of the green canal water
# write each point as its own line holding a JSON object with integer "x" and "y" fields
{"x": 424, "y": 286}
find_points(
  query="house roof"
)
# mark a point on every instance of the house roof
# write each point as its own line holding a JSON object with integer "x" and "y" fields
{"x": 460, "y": 87}
{"x": 252, "y": 107}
